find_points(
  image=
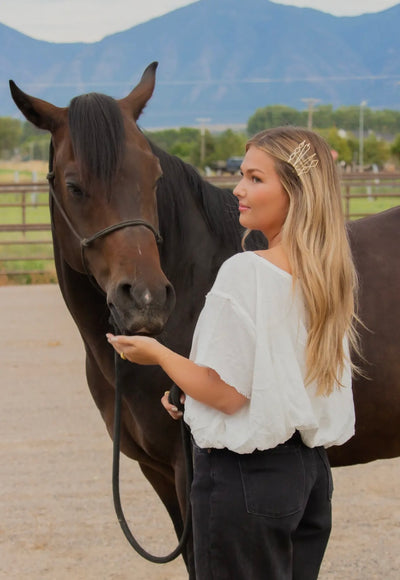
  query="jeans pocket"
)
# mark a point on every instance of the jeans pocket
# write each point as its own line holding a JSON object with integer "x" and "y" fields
{"x": 273, "y": 481}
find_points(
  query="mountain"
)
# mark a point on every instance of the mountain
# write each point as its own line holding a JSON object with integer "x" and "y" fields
{"x": 220, "y": 60}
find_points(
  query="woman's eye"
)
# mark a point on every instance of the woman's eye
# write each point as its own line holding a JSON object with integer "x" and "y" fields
{"x": 256, "y": 179}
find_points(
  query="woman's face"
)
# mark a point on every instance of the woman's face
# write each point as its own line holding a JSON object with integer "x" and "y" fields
{"x": 263, "y": 203}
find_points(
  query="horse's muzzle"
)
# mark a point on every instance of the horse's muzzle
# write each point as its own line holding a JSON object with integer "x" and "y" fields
{"x": 136, "y": 310}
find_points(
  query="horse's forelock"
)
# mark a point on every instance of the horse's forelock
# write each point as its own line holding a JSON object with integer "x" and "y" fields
{"x": 97, "y": 135}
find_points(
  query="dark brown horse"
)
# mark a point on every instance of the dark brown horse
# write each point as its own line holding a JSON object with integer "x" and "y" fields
{"x": 115, "y": 191}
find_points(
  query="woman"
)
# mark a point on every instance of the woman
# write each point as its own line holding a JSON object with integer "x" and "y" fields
{"x": 268, "y": 382}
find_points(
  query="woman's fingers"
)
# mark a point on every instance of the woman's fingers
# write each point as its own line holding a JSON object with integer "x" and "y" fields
{"x": 172, "y": 410}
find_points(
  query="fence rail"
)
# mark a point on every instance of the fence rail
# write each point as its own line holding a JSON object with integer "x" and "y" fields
{"x": 24, "y": 215}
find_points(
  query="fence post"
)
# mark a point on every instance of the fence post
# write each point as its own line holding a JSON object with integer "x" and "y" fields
{"x": 23, "y": 205}
{"x": 34, "y": 194}
{"x": 347, "y": 203}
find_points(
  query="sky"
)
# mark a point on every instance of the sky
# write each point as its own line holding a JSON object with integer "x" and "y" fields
{"x": 92, "y": 20}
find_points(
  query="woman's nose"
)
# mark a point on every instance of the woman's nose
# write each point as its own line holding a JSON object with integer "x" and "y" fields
{"x": 238, "y": 190}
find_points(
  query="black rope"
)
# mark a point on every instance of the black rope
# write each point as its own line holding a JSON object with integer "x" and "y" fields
{"x": 115, "y": 479}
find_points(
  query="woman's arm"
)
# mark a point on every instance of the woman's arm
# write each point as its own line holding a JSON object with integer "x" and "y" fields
{"x": 200, "y": 383}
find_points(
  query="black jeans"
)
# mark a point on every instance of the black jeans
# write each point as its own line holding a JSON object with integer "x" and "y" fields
{"x": 261, "y": 516}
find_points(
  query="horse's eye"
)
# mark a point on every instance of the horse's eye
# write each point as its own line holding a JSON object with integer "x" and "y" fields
{"x": 75, "y": 190}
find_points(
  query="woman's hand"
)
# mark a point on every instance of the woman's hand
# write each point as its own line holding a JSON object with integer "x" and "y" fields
{"x": 142, "y": 350}
{"x": 172, "y": 410}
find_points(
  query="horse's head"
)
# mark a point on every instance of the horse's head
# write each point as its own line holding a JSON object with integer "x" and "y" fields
{"x": 103, "y": 182}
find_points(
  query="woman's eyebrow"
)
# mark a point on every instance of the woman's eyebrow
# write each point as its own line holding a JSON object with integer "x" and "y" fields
{"x": 252, "y": 169}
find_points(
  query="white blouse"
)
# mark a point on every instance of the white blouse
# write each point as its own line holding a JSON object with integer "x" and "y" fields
{"x": 252, "y": 332}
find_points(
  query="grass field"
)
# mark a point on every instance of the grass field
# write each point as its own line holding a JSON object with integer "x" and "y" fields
{"x": 27, "y": 257}
{"x": 371, "y": 205}
{"x": 23, "y": 171}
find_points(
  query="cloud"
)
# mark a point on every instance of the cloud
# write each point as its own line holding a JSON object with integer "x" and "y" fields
{"x": 80, "y": 20}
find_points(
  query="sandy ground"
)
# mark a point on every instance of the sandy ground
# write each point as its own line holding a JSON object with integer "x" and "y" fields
{"x": 57, "y": 517}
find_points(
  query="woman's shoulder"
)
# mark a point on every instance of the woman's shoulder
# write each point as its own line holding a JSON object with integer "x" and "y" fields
{"x": 270, "y": 262}
{"x": 276, "y": 256}
{"x": 249, "y": 270}
{"x": 237, "y": 266}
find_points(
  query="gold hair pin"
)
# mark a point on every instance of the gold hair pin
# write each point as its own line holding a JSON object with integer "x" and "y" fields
{"x": 300, "y": 161}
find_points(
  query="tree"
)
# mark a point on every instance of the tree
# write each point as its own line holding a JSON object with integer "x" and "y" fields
{"x": 395, "y": 148}
{"x": 10, "y": 134}
{"x": 275, "y": 116}
{"x": 229, "y": 144}
{"x": 375, "y": 150}
{"x": 340, "y": 144}
{"x": 323, "y": 116}
{"x": 348, "y": 118}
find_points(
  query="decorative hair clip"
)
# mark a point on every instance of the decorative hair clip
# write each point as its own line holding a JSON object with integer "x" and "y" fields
{"x": 300, "y": 161}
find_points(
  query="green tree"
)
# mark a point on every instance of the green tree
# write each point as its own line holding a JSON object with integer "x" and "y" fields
{"x": 348, "y": 118}
{"x": 323, "y": 116}
{"x": 10, "y": 135}
{"x": 395, "y": 147}
{"x": 229, "y": 144}
{"x": 274, "y": 116}
{"x": 338, "y": 143}
{"x": 167, "y": 139}
{"x": 375, "y": 150}
{"x": 386, "y": 122}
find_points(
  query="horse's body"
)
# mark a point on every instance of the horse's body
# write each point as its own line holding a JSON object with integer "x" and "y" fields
{"x": 199, "y": 226}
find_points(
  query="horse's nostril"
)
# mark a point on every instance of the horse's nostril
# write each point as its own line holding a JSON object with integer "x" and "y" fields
{"x": 126, "y": 289}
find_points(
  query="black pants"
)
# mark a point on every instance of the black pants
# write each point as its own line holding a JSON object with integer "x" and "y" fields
{"x": 261, "y": 516}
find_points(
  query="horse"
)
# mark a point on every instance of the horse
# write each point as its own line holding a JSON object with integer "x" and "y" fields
{"x": 114, "y": 196}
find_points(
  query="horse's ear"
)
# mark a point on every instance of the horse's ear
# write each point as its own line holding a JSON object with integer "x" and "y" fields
{"x": 42, "y": 114}
{"x": 137, "y": 99}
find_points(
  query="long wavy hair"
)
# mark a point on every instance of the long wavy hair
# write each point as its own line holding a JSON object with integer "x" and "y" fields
{"x": 315, "y": 239}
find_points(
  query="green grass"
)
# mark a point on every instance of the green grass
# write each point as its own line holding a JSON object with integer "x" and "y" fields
{"x": 370, "y": 206}
{"x": 24, "y": 171}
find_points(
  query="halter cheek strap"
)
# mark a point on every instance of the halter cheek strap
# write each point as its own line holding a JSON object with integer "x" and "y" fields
{"x": 86, "y": 242}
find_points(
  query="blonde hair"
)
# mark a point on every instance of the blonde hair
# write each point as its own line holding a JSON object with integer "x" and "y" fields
{"x": 314, "y": 236}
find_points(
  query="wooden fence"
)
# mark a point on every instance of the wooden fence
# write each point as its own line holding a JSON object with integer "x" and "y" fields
{"x": 25, "y": 236}
{"x": 25, "y": 241}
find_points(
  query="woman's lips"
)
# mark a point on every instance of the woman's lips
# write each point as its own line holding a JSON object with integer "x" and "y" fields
{"x": 243, "y": 207}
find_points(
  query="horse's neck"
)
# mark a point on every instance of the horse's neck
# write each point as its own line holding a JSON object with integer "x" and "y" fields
{"x": 199, "y": 221}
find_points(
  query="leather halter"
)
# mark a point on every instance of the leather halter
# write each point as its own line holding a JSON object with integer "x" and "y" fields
{"x": 86, "y": 242}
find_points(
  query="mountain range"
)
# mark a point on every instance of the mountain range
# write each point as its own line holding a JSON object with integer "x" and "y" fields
{"x": 219, "y": 60}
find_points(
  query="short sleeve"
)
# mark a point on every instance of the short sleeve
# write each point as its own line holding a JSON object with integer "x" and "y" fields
{"x": 225, "y": 341}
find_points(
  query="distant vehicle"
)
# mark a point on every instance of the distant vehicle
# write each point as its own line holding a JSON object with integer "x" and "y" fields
{"x": 233, "y": 164}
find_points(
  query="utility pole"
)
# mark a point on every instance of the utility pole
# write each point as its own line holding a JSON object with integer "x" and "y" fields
{"x": 203, "y": 121}
{"x": 311, "y": 104}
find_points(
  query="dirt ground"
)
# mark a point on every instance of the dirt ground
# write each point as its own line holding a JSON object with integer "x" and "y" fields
{"x": 57, "y": 517}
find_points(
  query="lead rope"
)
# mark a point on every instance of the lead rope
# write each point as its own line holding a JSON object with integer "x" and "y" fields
{"x": 115, "y": 478}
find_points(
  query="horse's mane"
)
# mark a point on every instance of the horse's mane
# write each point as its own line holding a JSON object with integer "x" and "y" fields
{"x": 97, "y": 134}
{"x": 181, "y": 185}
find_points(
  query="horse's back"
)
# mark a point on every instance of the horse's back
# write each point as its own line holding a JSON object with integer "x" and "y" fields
{"x": 375, "y": 243}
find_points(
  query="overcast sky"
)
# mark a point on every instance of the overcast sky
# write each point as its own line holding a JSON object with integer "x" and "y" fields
{"x": 91, "y": 20}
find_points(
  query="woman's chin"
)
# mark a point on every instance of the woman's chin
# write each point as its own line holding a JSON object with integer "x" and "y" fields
{"x": 244, "y": 221}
